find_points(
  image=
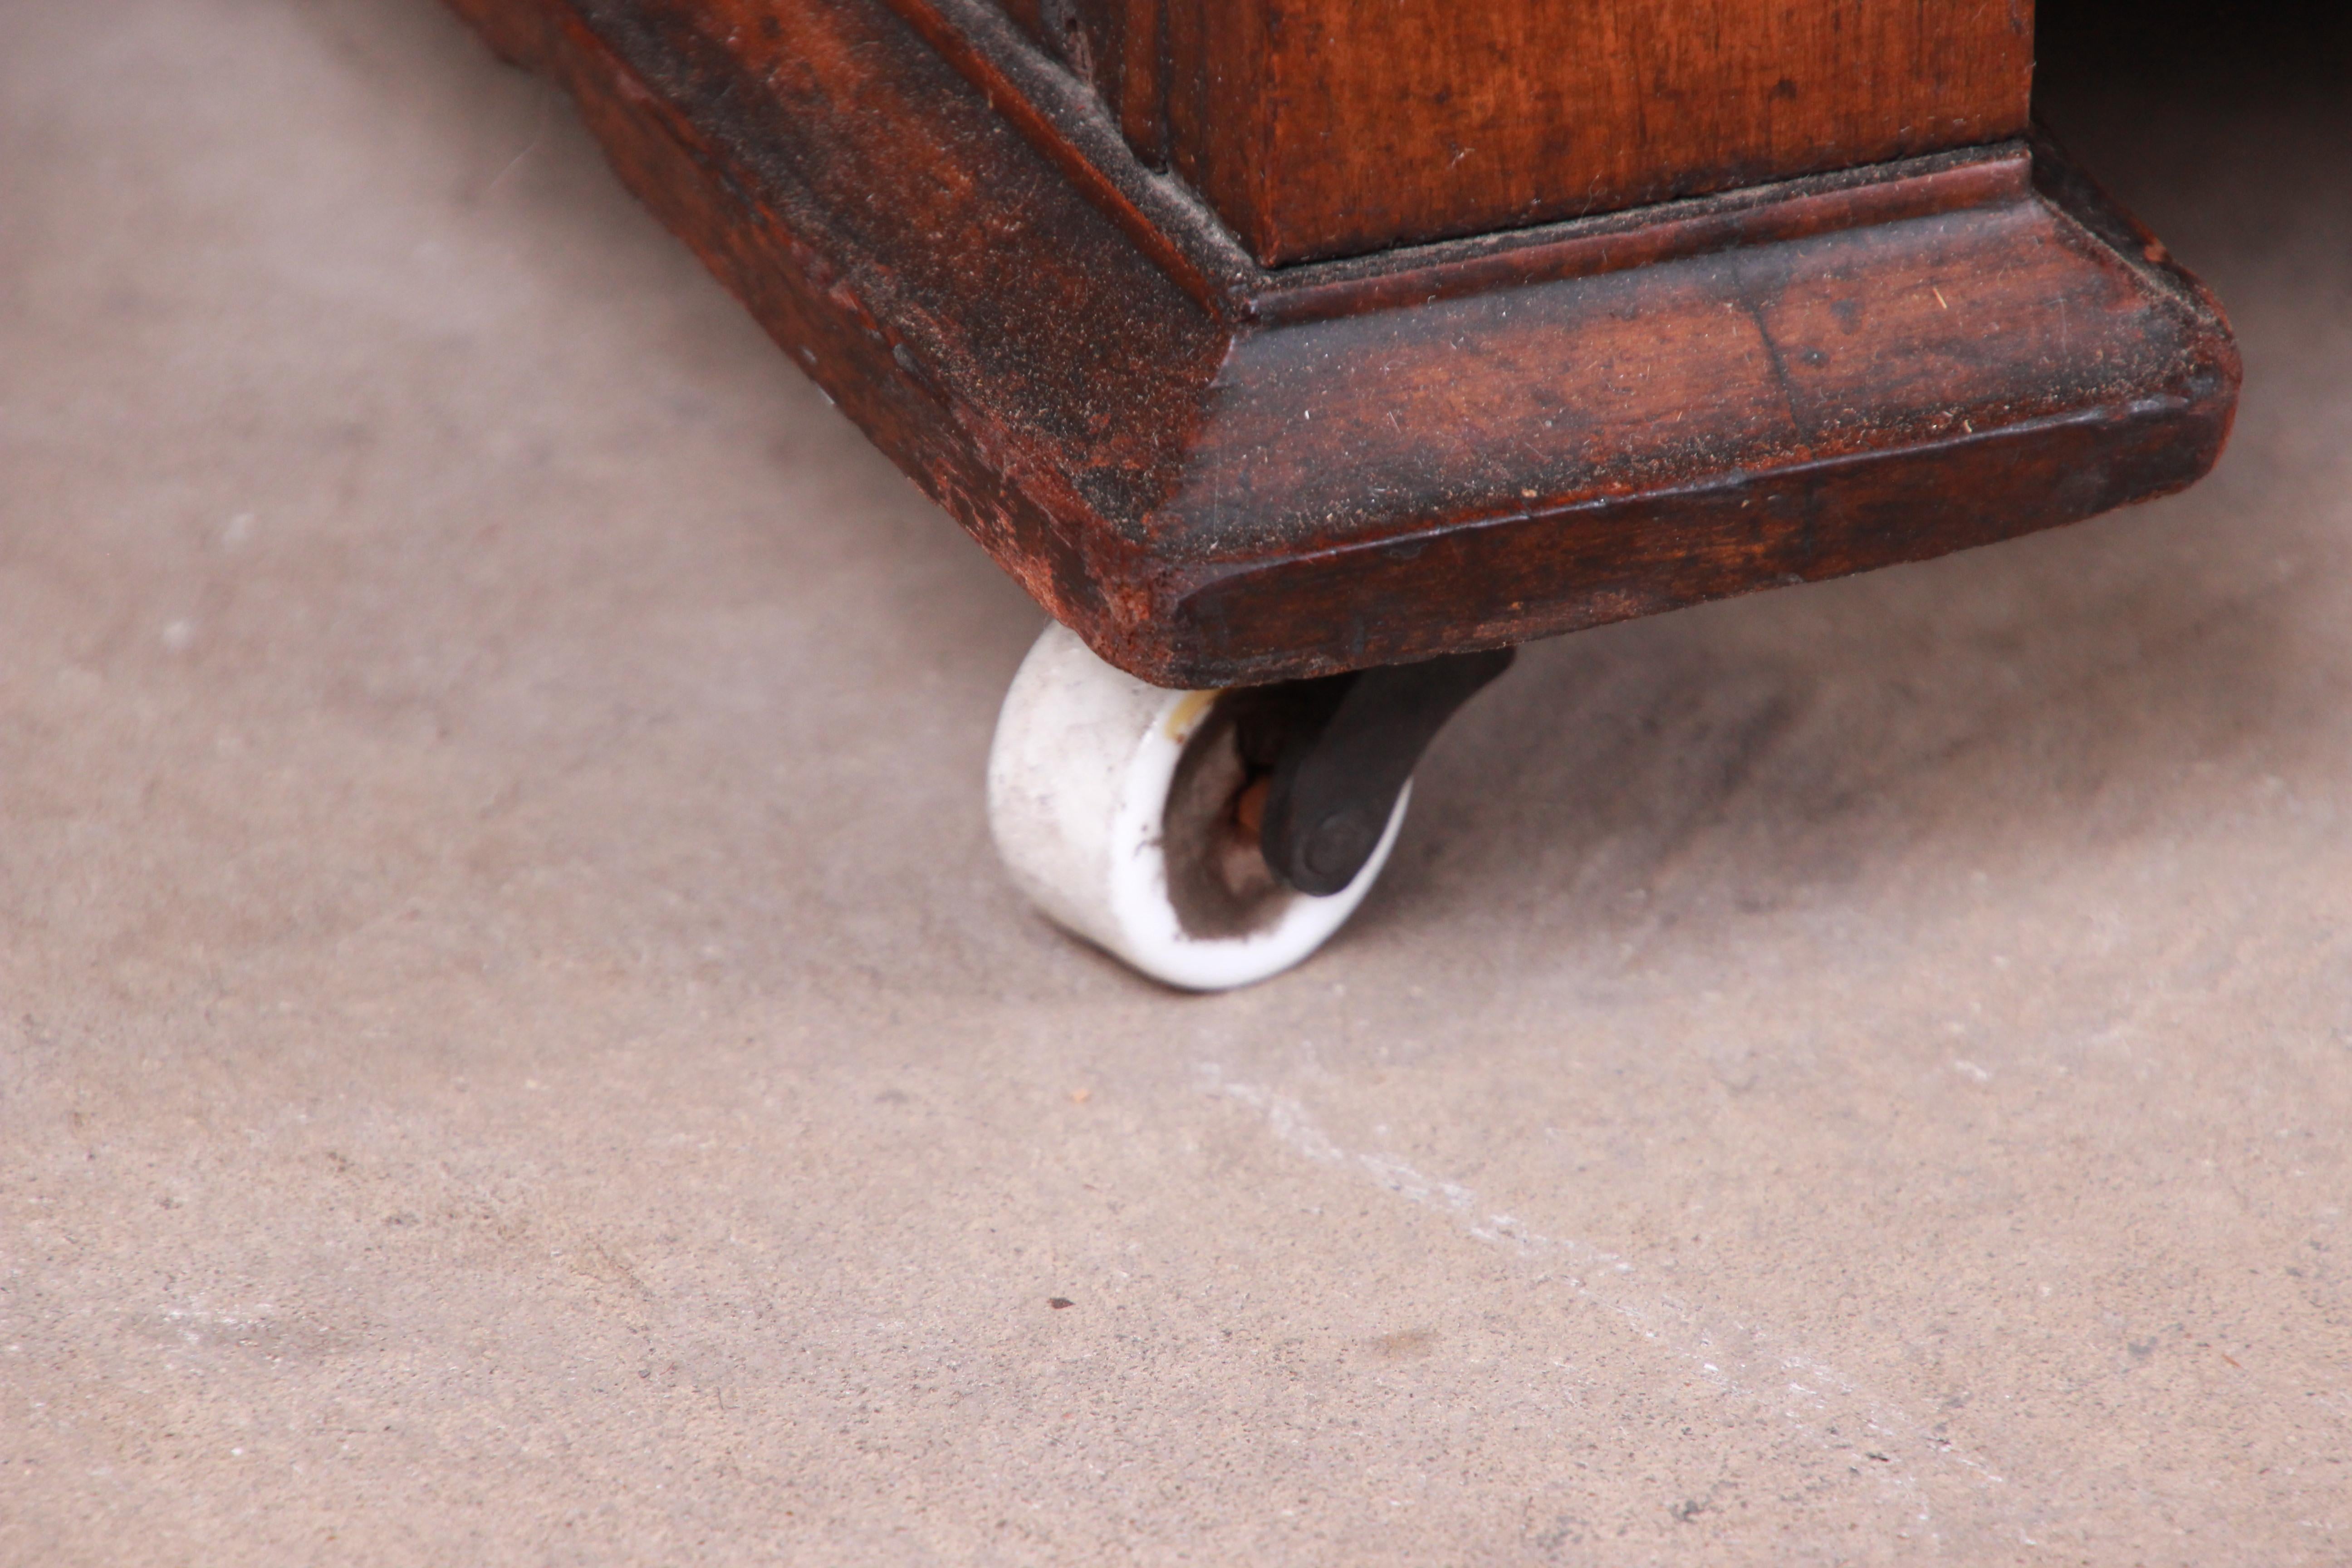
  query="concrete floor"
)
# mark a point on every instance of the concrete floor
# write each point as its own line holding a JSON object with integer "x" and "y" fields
{"x": 514, "y": 1047}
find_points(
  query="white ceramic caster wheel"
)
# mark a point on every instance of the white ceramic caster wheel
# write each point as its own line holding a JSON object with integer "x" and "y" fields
{"x": 1119, "y": 809}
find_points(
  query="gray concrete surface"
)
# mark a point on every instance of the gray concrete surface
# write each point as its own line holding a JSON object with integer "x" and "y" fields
{"x": 514, "y": 1049}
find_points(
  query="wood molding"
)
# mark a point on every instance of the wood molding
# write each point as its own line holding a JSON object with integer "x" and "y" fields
{"x": 1219, "y": 473}
{"x": 1326, "y": 128}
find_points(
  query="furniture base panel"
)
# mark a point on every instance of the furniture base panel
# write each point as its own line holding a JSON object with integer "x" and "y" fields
{"x": 1219, "y": 474}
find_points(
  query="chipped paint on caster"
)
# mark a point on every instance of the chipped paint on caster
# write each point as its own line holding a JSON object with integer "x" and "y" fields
{"x": 1080, "y": 781}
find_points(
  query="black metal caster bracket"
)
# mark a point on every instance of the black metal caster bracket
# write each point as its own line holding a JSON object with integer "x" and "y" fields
{"x": 1338, "y": 750}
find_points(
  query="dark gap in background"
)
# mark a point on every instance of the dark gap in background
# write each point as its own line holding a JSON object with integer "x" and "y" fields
{"x": 2171, "y": 52}
{"x": 2227, "y": 128}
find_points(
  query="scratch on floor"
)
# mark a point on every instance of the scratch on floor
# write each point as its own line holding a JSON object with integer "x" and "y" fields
{"x": 1771, "y": 1378}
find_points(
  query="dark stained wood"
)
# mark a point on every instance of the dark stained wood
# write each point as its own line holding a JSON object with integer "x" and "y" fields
{"x": 1854, "y": 198}
{"x": 1120, "y": 48}
{"x": 1698, "y": 427}
{"x": 1139, "y": 90}
{"x": 1218, "y": 473}
{"x": 1329, "y": 128}
{"x": 1323, "y": 128}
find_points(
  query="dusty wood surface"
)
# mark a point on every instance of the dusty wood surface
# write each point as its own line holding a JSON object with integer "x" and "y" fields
{"x": 1322, "y": 128}
{"x": 1219, "y": 474}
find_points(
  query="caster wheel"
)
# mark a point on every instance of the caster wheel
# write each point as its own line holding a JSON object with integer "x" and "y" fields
{"x": 1127, "y": 813}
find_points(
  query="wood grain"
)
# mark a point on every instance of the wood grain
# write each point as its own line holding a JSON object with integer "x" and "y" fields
{"x": 1329, "y": 128}
{"x": 1219, "y": 473}
{"x": 1323, "y": 128}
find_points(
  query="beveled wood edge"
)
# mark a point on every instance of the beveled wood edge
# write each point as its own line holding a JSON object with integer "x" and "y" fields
{"x": 2069, "y": 189}
{"x": 2017, "y": 471}
{"x": 1022, "y": 512}
{"x": 1641, "y": 237}
{"x": 1158, "y": 618}
{"x": 2024, "y": 476}
{"x": 1063, "y": 118}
